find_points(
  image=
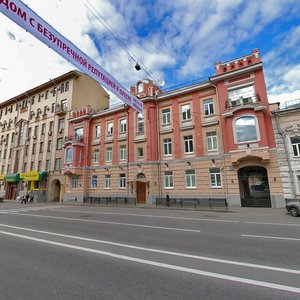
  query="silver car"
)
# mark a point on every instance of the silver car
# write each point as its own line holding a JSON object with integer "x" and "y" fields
{"x": 293, "y": 208}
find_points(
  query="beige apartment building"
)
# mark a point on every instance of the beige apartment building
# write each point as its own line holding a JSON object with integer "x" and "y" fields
{"x": 33, "y": 126}
{"x": 287, "y": 136}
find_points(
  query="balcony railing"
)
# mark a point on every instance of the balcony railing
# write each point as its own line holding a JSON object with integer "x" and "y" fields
{"x": 234, "y": 102}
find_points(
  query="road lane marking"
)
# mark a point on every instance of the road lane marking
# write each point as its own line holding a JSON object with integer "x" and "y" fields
{"x": 270, "y": 237}
{"x": 163, "y": 265}
{"x": 284, "y": 270}
{"x": 147, "y": 216}
{"x": 277, "y": 224}
{"x": 110, "y": 223}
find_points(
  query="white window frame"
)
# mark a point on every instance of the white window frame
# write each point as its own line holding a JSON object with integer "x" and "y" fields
{"x": 212, "y": 141}
{"x": 190, "y": 179}
{"x": 97, "y": 131}
{"x": 167, "y": 147}
{"x": 108, "y": 154}
{"x": 123, "y": 126}
{"x": 186, "y": 112}
{"x": 107, "y": 181}
{"x": 235, "y": 129}
{"x": 123, "y": 152}
{"x": 168, "y": 180}
{"x": 215, "y": 178}
{"x": 74, "y": 182}
{"x": 69, "y": 155}
{"x": 109, "y": 129}
{"x": 209, "y": 107}
{"x": 140, "y": 120}
{"x": 122, "y": 181}
{"x": 166, "y": 116}
{"x": 296, "y": 147}
{"x": 188, "y": 144}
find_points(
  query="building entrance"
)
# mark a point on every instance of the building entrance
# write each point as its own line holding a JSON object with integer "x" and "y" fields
{"x": 254, "y": 187}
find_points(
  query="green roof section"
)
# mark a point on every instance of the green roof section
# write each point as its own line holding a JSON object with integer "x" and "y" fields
{"x": 13, "y": 177}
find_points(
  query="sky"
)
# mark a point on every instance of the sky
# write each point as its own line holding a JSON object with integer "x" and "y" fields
{"x": 176, "y": 42}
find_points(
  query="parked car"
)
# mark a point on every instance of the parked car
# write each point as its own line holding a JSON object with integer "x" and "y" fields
{"x": 293, "y": 208}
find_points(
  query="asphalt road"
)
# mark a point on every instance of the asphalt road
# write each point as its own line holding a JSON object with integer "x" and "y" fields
{"x": 84, "y": 252}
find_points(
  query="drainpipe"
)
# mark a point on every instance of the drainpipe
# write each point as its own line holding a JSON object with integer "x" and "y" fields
{"x": 158, "y": 147}
{"x": 281, "y": 132}
{"x": 223, "y": 156}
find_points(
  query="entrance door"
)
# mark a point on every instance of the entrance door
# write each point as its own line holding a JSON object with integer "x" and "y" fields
{"x": 254, "y": 187}
{"x": 141, "y": 192}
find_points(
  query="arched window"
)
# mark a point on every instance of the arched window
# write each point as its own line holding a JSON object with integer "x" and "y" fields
{"x": 69, "y": 155}
{"x": 246, "y": 129}
{"x": 140, "y": 87}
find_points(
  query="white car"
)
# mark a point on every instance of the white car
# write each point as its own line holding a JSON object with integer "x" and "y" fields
{"x": 293, "y": 208}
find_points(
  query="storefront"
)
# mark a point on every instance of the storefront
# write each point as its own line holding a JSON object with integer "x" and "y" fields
{"x": 11, "y": 185}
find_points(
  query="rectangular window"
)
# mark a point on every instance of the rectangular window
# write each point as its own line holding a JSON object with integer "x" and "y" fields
{"x": 43, "y": 129}
{"x": 94, "y": 181}
{"x": 40, "y": 165}
{"x": 57, "y": 165}
{"x": 63, "y": 105}
{"x": 296, "y": 145}
{"x": 212, "y": 141}
{"x": 41, "y": 147}
{"x": 48, "y": 165}
{"x": 188, "y": 144}
{"x": 59, "y": 144}
{"x": 123, "y": 126}
{"x": 166, "y": 116}
{"x": 190, "y": 178}
{"x": 108, "y": 156}
{"x": 97, "y": 132}
{"x": 107, "y": 181}
{"x": 49, "y": 146}
{"x": 53, "y": 107}
{"x": 46, "y": 95}
{"x": 241, "y": 95}
{"x": 67, "y": 86}
{"x": 123, "y": 152}
{"x": 74, "y": 182}
{"x": 208, "y": 107}
{"x": 109, "y": 129}
{"x": 122, "y": 181}
{"x": 61, "y": 124}
{"x": 78, "y": 133}
{"x": 96, "y": 156}
{"x": 186, "y": 112}
{"x": 215, "y": 178}
{"x": 140, "y": 152}
{"x": 62, "y": 88}
{"x": 168, "y": 179}
{"x": 33, "y": 148}
{"x": 140, "y": 123}
{"x": 167, "y": 144}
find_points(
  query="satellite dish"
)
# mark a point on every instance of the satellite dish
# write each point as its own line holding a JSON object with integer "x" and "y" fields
{"x": 161, "y": 82}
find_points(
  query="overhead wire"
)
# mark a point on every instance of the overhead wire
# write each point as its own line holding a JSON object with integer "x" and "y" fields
{"x": 93, "y": 10}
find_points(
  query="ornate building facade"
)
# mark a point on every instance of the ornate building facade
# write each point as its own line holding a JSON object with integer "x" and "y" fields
{"x": 211, "y": 139}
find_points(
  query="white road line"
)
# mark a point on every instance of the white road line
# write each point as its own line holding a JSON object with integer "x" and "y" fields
{"x": 270, "y": 237}
{"x": 277, "y": 224}
{"x": 159, "y": 251}
{"x": 147, "y": 216}
{"x": 163, "y": 265}
{"x": 110, "y": 223}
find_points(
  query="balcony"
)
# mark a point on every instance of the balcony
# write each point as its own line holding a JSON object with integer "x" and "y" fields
{"x": 61, "y": 110}
{"x": 249, "y": 101}
{"x": 74, "y": 140}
